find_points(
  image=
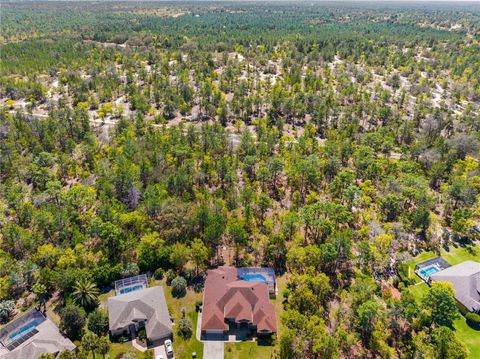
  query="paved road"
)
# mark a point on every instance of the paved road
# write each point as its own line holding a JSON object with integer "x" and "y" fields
{"x": 213, "y": 349}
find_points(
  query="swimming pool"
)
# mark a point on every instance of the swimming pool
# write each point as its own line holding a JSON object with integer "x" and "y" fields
{"x": 133, "y": 288}
{"x": 428, "y": 271}
{"x": 252, "y": 277}
{"x": 19, "y": 333}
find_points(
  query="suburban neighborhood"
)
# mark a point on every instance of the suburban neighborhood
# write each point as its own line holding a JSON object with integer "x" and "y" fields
{"x": 239, "y": 179}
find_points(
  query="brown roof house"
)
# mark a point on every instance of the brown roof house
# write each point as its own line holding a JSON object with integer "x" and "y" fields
{"x": 465, "y": 279}
{"x": 30, "y": 336}
{"x": 235, "y": 306}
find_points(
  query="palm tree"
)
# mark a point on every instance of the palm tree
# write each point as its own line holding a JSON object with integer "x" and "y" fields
{"x": 85, "y": 293}
{"x": 103, "y": 347}
{"x": 90, "y": 342}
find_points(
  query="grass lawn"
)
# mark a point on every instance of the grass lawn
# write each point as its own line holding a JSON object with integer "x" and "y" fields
{"x": 117, "y": 350}
{"x": 120, "y": 348}
{"x": 461, "y": 254}
{"x": 183, "y": 347}
{"x": 454, "y": 255}
{"x": 469, "y": 336}
{"x": 418, "y": 291}
{"x": 278, "y": 302}
{"x": 248, "y": 350}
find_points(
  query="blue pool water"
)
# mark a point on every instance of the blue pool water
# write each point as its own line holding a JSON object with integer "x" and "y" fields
{"x": 427, "y": 272}
{"x": 131, "y": 289}
{"x": 251, "y": 277}
{"x": 17, "y": 334}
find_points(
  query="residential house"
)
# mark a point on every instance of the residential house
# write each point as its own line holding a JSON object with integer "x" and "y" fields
{"x": 231, "y": 304}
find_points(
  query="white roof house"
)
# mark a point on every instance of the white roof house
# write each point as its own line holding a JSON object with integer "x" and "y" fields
{"x": 465, "y": 278}
{"x": 146, "y": 307}
{"x": 30, "y": 336}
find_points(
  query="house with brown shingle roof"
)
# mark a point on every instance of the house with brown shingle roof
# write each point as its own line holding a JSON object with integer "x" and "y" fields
{"x": 230, "y": 303}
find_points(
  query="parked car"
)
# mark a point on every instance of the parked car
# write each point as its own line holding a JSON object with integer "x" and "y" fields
{"x": 169, "y": 347}
{"x": 159, "y": 356}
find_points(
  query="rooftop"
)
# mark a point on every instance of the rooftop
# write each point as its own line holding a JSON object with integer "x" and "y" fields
{"x": 148, "y": 305}
{"x": 227, "y": 297}
{"x": 465, "y": 278}
{"x": 31, "y": 335}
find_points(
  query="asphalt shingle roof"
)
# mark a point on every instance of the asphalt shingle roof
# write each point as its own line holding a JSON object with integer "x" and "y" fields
{"x": 147, "y": 304}
{"x": 227, "y": 297}
{"x": 465, "y": 278}
{"x": 48, "y": 339}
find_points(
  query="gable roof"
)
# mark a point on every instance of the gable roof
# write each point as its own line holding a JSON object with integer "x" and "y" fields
{"x": 465, "y": 278}
{"x": 227, "y": 297}
{"x": 48, "y": 339}
{"x": 143, "y": 305}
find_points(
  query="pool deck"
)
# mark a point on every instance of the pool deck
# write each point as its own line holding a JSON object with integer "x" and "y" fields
{"x": 22, "y": 331}
{"x": 25, "y": 343}
{"x": 424, "y": 269}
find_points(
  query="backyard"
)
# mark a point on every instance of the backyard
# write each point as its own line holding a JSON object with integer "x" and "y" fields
{"x": 453, "y": 256}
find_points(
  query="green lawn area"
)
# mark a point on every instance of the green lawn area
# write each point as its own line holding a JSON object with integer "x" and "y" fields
{"x": 121, "y": 348}
{"x": 248, "y": 350}
{"x": 418, "y": 290}
{"x": 183, "y": 347}
{"x": 454, "y": 255}
{"x": 118, "y": 349}
{"x": 461, "y": 254}
{"x": 470, "y": 337}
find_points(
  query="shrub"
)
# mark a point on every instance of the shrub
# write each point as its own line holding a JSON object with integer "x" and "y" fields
{"x": 46, "y": 356}
{"x": 170, "y": 275}
{"x": 129, "y": 270}
{"x": 142, "y": 335}
{"x": 158, "y": 273}
{"x": 188, "y": 274}
{"x": 6, "y": 309}
{"x": 473, "y": 319}
{"x": 72, "y": 321}
{"x": 185, "y": 328}
{"x": 179, "y": 287}
{"x": 98, "y": 322}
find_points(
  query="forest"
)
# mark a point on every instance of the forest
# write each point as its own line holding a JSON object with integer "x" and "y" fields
{"x": 337, "y": 143}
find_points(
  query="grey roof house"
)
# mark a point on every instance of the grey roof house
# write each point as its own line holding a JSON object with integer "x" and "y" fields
{"x": 465, "y": 278}
{"x": 145, "y": 308}
{"x": 30, "y": 336}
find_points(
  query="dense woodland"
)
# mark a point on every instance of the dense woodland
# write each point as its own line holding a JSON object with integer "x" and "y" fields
{"x": 330, "y": 142}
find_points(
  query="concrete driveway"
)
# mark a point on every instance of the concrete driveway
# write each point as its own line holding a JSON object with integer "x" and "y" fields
{"x": 213, "y": 349}
{"x": 160, "y": 350}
